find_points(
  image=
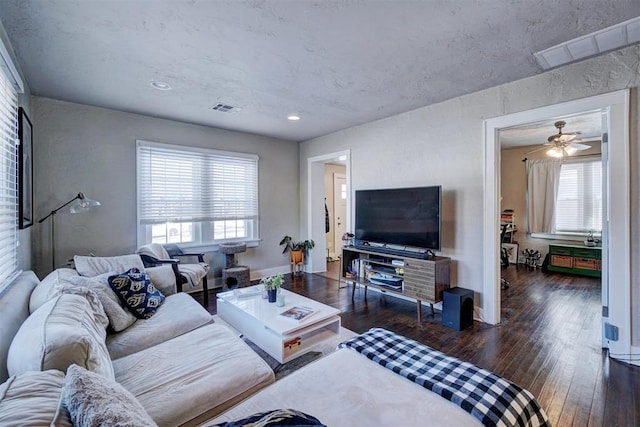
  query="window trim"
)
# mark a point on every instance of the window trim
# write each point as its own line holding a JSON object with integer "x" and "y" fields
{"x": 578, "y": 235}
{"x": 252, "y": 241}
{"x": 567, "y": 235}
{"x": 12, "y": 86}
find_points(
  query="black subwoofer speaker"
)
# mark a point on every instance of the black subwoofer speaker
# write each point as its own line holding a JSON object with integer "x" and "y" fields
{"x": 457, "y": 308}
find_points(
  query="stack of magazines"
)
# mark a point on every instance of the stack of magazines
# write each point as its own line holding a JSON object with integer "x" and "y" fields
{"x": 298, "y": 313}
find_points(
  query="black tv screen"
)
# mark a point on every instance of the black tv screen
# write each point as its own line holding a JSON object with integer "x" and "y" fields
{"x": 399, "y": 216}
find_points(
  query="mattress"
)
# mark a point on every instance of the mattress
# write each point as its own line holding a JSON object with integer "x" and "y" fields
{"x": 347, "y": 389}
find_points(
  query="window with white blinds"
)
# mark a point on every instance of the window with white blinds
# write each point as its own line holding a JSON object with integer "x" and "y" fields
{"x": 579, "y": 203}
{"x": 8, "y": 180}
{"x": 195, "y": 196}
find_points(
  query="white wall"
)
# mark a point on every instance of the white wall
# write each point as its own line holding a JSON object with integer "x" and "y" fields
{"x": 89, "y": 149}
{"x": 443, "y": 144}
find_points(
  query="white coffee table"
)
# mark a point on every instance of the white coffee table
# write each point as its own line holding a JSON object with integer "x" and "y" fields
{"x": 282, "y": 338}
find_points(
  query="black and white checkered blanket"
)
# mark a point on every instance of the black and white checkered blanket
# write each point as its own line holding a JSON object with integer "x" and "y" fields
{"x": 493, "y": 400}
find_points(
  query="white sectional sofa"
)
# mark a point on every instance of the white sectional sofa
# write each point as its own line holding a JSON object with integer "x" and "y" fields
{"x": 180, "y": 366}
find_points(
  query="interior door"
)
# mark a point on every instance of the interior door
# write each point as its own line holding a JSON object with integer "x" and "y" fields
{"x": 339, "y": 208}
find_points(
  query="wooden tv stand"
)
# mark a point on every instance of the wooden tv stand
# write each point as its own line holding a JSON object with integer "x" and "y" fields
{"x": 423, "y": 280}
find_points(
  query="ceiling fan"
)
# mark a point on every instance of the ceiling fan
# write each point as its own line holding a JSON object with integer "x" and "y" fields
{"x": 562, "y": 144}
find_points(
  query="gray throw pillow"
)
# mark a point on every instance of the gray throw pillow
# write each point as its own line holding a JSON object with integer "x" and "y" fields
{"x": 119, "y": 318}
{"x": 93, "y": 400}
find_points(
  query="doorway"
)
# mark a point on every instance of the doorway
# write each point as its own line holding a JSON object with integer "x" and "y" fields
{"x": 616, "y": 238}
{"x": 315, "y": 209}
{"x": 339, "y": 211}
{"x": 578, "y": 206}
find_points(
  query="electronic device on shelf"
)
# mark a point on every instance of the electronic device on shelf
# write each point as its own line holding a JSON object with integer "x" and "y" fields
{"x": 399, "y": 221}
{"x": 386, "y": 280}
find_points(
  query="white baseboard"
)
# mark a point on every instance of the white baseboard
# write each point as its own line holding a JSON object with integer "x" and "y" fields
{"x": 633, "y": 358}
{"x": 477, "y": 314}
{"x": 636, "y": 359}
{"x": 259, "y": 274}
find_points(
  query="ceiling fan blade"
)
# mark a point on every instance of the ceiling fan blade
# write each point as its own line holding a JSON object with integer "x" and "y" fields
{"x": 579, "y": 146}
{"x": 564, "y": 138}
{"x": 535, "y": 150}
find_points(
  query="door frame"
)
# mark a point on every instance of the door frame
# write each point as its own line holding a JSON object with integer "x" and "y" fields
{"x": 317, "y": 260}
{"x": 337, "y": 239}
{"x": 618, "y": 222}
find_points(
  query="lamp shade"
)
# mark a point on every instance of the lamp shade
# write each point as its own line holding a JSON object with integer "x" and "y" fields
{"x": 82, "y": 204}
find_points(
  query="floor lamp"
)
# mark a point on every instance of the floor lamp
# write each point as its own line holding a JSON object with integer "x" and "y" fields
{"x": 81, "y": 203}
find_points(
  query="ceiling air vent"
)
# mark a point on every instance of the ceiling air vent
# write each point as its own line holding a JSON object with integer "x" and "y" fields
{"x": 225, "y": 108}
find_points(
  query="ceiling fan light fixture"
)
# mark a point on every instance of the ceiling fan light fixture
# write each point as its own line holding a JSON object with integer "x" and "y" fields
{"x": 555, "y": 152}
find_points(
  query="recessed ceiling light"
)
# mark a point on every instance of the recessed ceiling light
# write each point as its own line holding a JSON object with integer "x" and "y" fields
{"x": 293, "y": 117}
{"x": 160, "y": 85}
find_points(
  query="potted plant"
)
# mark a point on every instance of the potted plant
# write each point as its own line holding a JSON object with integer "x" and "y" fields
{"x": 272, "y": 284}
{"x": 297, "y": 249}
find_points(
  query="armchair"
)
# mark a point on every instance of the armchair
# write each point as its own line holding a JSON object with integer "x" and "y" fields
{"x": 155, "y": 254}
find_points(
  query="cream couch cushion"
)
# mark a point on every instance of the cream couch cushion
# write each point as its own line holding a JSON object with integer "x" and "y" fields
{"x": 194, "y": 376}
{"x": 94, "y": 265}
{"x": 50, "y": 287}
{"x": 61, "y": 282}
{"x": 119, "y": 317}
{"x": 163, "y": 278}
{"x": 61, "y": 332}
{"x": 33, "y": 399}
{"x": 347, "y": 389}
{"x": 14, "y": 310}
{"x": 179, "y": 314}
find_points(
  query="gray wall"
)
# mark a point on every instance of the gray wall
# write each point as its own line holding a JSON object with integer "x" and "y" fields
{"x": 443, "y": 144}
{"x": 81, "y": 148}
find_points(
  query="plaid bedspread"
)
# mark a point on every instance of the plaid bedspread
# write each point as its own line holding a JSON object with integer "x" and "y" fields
{"x": 493, "y": 400}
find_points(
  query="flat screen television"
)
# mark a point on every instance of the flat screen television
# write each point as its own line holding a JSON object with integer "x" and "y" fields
{"x": 399, "y": 216}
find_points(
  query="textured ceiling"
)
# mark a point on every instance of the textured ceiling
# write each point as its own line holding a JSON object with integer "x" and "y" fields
{"x": 335, "y": 63}
{"x": 589, "y": 126}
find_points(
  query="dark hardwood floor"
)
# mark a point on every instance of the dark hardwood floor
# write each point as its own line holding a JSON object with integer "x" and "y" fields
{"x": 548, "y": 341}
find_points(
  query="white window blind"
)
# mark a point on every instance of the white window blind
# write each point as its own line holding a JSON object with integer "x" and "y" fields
{"x": 579, "y": 204}
{"x": 8, "y": 180}
{"x": 198, "y": 196}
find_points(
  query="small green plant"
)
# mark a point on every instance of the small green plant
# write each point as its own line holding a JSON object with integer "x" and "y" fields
{"x": 272, "y": 282}
{"x": 291, "y": 245}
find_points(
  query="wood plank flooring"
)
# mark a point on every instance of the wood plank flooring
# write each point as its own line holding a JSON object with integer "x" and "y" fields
{"x": 548, "y": 341}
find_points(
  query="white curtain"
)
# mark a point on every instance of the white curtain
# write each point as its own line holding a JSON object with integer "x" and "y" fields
{"x": 543, "y": 180}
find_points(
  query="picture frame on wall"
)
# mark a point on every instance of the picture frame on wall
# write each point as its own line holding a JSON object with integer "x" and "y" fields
{"x": 25, "y": 170}
{"x": 512, "y": 252}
